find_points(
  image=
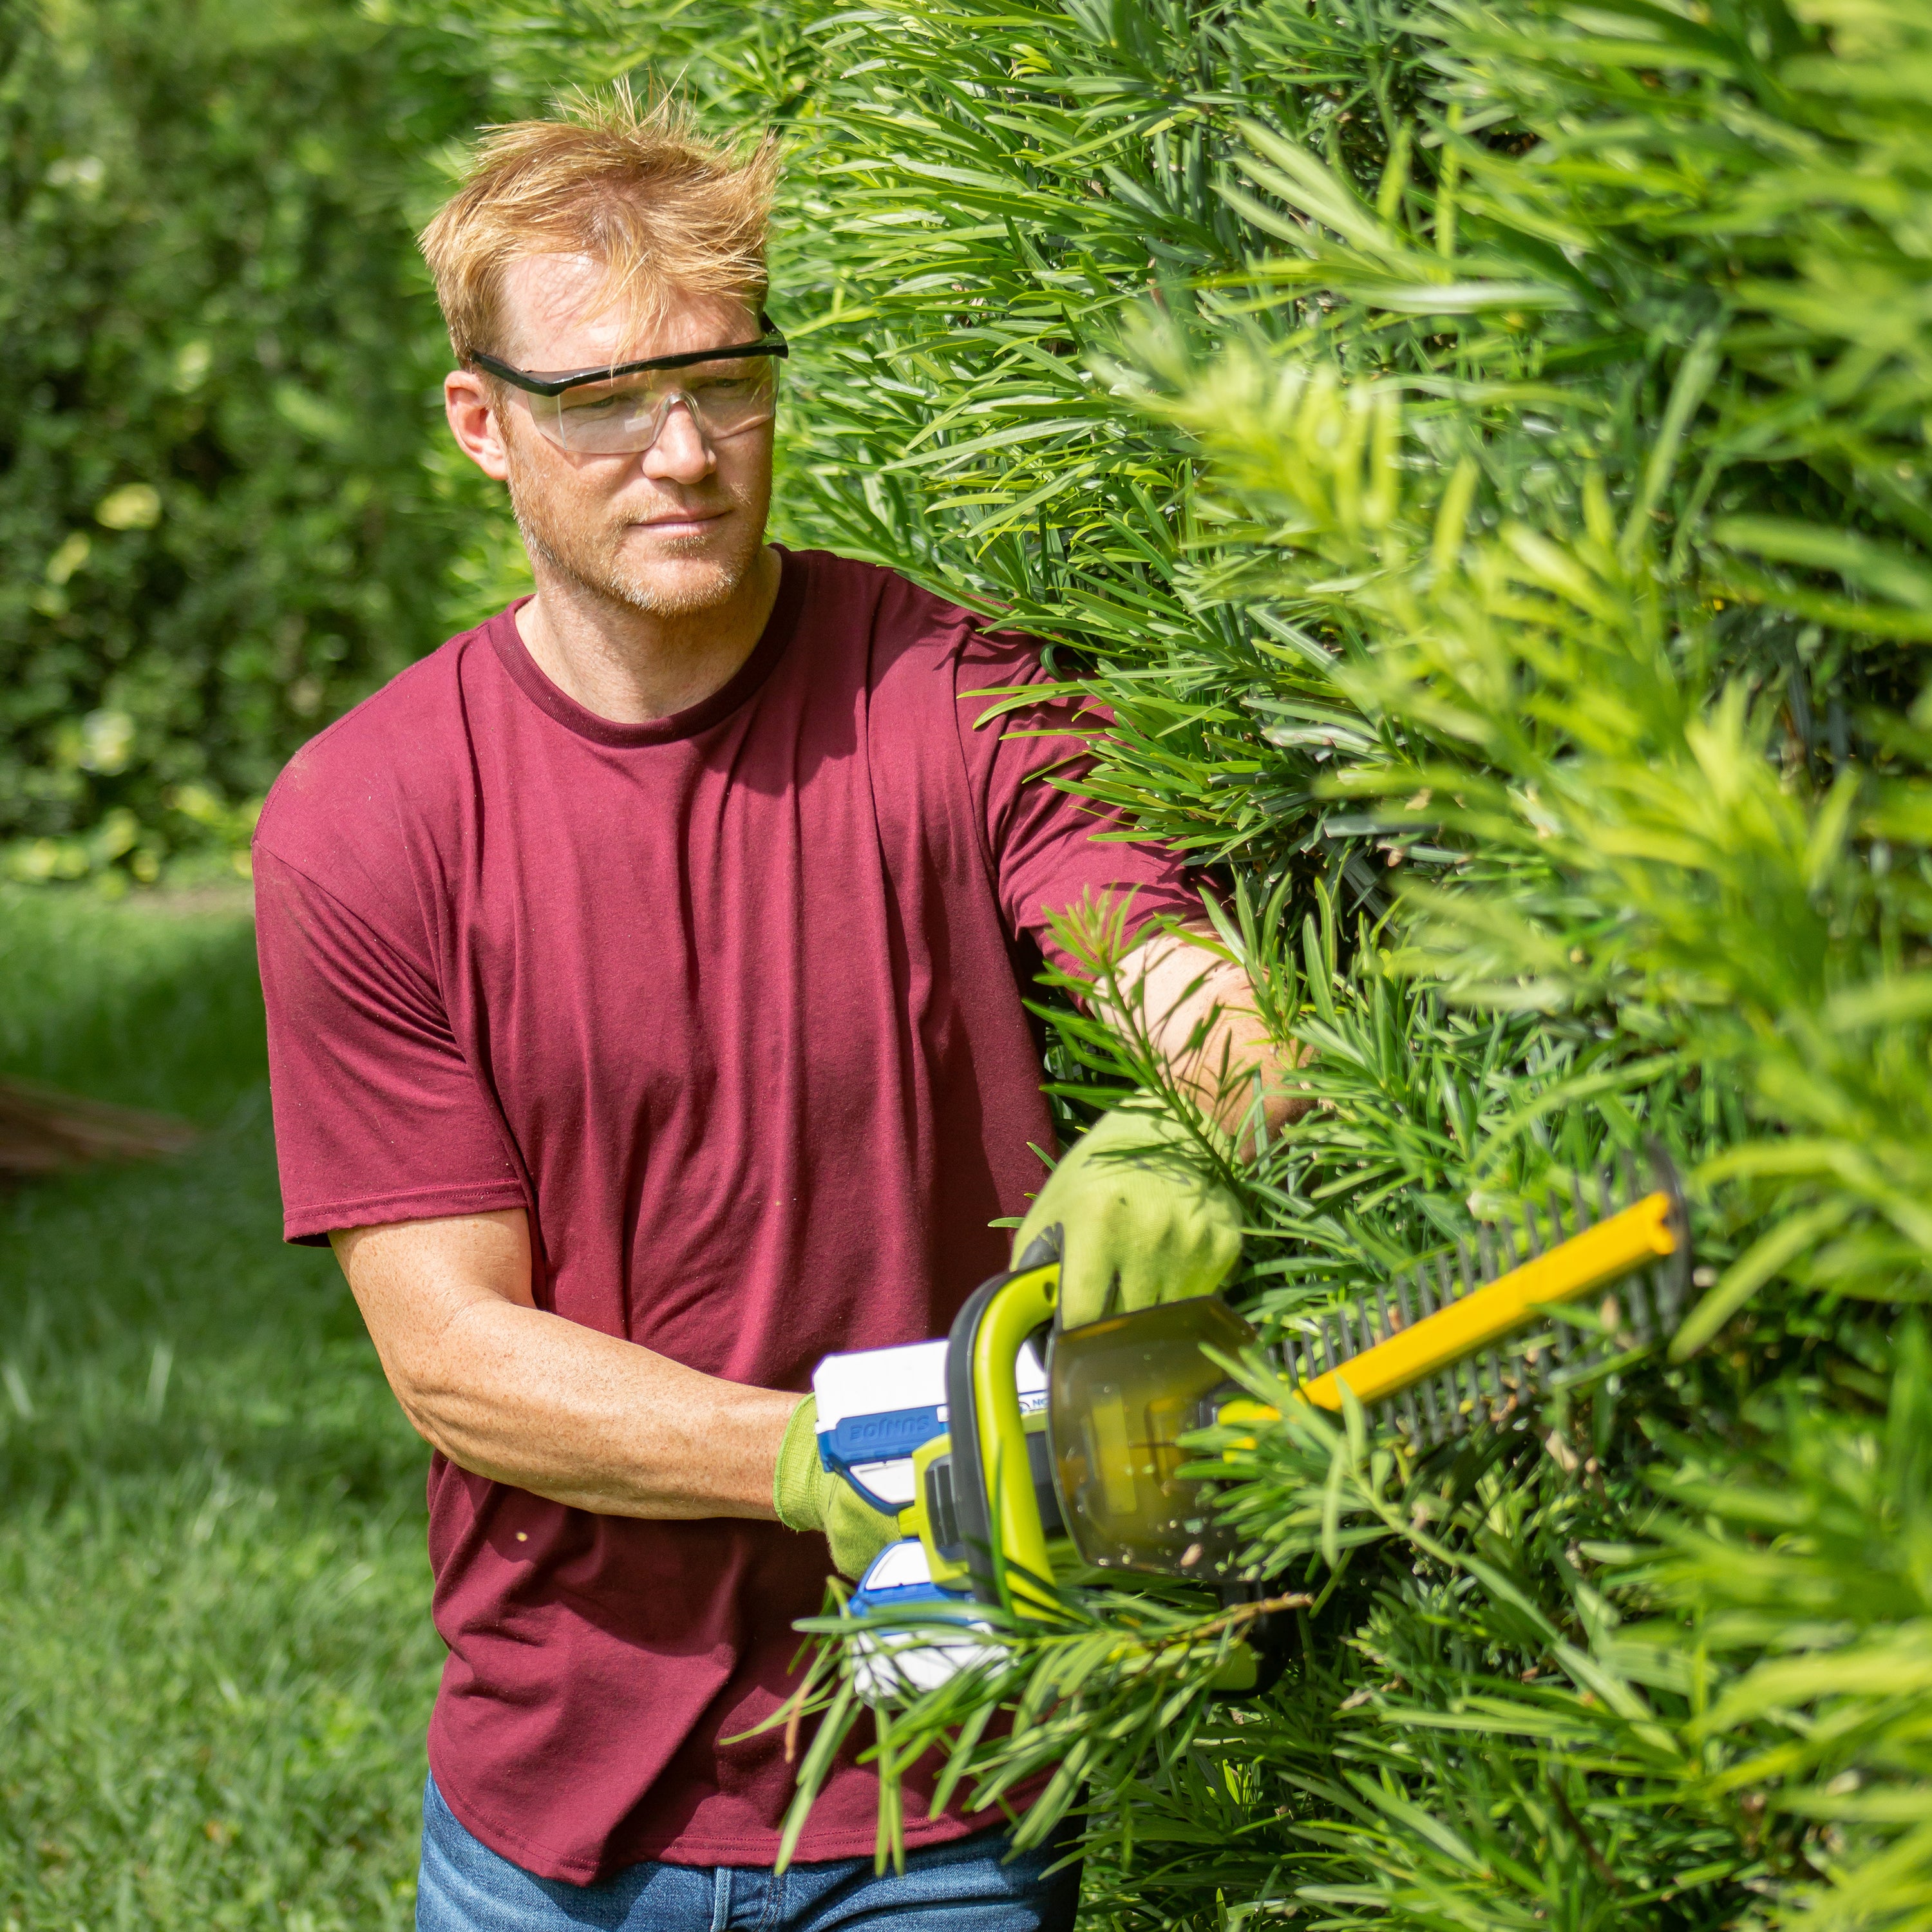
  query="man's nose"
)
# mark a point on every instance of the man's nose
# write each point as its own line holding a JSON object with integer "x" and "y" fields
{"x": 680, "y": 455}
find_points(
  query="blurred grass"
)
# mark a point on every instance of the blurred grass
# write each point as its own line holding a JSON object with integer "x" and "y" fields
{"x": 214, "y": 1593}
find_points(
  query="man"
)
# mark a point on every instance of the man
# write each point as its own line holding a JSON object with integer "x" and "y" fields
{"x": 645, "y": 974}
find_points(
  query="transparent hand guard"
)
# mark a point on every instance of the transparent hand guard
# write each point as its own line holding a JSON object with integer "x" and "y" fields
{"x": 1121, "y": 1394}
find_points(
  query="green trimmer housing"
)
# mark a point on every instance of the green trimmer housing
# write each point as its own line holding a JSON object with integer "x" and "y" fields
{"x": 1004, "y": 1502}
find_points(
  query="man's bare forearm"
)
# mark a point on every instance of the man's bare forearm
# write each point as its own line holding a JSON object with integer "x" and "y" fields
{"x": 510, "y": 1392}
{"x": 1175, "y": 987}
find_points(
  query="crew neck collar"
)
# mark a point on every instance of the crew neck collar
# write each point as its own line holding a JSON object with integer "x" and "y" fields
{"x": 514, "y": 656}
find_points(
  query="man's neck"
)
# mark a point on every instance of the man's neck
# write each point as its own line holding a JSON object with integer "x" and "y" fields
{"x": 632, "y": 666}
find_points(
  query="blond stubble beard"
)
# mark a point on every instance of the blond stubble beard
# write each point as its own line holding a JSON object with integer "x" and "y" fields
{"x": 594, "y": 560}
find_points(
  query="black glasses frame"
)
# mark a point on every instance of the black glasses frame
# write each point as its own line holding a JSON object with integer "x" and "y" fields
{"x": 771, "y": 342}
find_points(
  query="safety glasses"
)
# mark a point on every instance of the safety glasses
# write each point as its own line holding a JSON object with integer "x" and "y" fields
{"x": 621, "y": 411}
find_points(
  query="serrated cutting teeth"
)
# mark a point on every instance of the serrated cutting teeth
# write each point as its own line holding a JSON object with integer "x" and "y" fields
{"x": 1435, "y": 1349}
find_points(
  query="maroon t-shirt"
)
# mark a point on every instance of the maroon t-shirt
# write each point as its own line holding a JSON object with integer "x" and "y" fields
{"x": 731, "y": 1003}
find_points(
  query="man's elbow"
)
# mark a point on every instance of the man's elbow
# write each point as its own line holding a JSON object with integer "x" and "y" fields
{"x": 424, "y": 1401}
{"x": 428, "y": 1378}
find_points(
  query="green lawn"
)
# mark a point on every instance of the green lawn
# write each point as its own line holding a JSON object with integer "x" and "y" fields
{"x": 215, "y": 1656}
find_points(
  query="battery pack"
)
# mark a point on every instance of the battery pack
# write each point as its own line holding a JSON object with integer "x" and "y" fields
{"x": 877, "y": 1406}
{"x": 891, "y": 1663}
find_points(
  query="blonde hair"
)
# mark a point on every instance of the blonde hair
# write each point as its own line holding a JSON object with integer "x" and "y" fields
{"x": 636, "y": 189}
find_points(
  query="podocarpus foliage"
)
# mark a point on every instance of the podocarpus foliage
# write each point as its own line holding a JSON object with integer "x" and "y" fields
{"x": 1479, "y": 452}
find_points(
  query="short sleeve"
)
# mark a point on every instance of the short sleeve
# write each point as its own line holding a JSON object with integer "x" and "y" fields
{"x": 1049, "y": 849}
{"x": 379, "y": 1117}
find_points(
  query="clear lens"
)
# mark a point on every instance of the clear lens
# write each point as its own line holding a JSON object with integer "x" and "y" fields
{"x": 625, "y": 416}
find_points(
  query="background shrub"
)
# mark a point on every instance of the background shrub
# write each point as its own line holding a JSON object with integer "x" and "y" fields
{"x": 221, "y": 373}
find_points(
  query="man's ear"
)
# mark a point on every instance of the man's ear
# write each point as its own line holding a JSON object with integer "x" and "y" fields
{"x": 472, "y": 410}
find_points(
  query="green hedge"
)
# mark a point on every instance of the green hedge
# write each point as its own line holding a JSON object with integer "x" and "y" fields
{"x": 221, "y": 369}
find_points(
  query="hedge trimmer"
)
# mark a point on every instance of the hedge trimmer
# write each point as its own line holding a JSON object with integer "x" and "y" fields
{"x": 1006, "y": 1474}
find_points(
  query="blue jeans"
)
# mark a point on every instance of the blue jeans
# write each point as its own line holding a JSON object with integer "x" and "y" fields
{"x": 966, "y": 1886}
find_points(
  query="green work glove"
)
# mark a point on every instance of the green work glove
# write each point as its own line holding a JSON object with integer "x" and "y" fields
{"x": 807, "y": 1495}
{"x": 1140, "y": 1221}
